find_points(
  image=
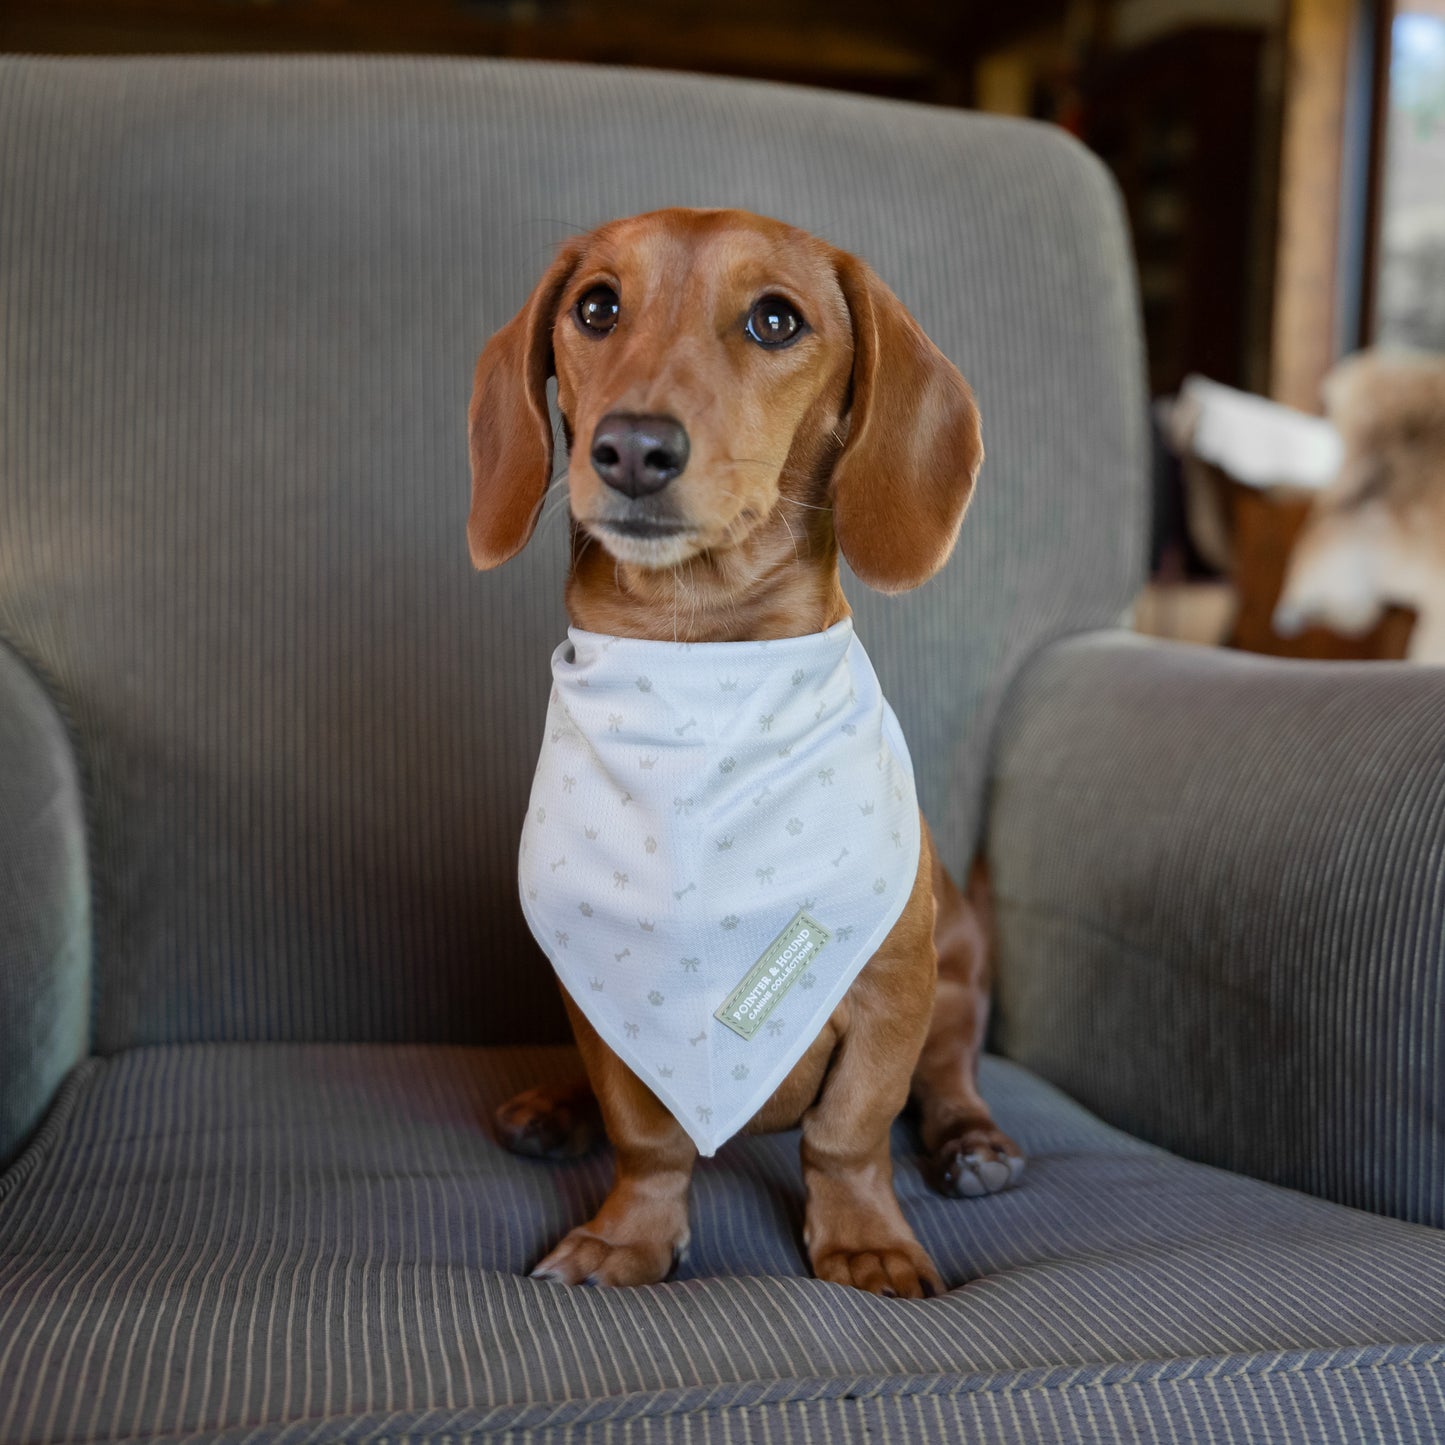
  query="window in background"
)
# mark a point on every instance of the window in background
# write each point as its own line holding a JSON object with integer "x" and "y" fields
{"x": 1410, "y": 294}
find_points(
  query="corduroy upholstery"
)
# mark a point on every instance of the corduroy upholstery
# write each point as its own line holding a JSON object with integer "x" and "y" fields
{"x": 233, "y": 1240}
{"x": 1220, "y": 884}
{"x": 239, "y": 306}
{"x": 44, "y": 906}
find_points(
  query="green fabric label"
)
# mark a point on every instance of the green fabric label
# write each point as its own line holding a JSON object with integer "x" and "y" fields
{"x": 785, "y": 960}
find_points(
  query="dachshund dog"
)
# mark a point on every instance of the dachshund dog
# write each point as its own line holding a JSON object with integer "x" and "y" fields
{"x": 749, "y": 402}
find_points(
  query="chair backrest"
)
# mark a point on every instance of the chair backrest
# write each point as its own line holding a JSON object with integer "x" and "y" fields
{"x": 240, "y": 301}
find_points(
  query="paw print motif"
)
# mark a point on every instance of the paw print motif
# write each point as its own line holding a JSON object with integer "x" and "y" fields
{"x": 689, "y": 965}
{"x": 644, "y": 684}
{"x": 795, "y": 826}
{"x": 727, "y": 765}
{"x": 879, "y": 884}
{"x": 740, "y": 1071}
{"x": 614, "y": 722}
{"x": 684, "y": 806}
{"x": 776, "y": 1026}
{"x": 630, "y": 1029}
{"x": 850, "y": 729}
{"x": 650, "y": 843}
{"x": 656, "y": 999}
{"x": 730, "y": 922}
{"x": 585, "y": 909}
{"x": 799, "y": 677}
{"x": 765, "y": 875}
{"x": 619, "y": 880}
{"x": 765, "y": 723}
{"x": 807, "y": 980}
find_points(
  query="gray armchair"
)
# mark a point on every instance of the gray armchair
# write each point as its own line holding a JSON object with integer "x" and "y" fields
{"x": 265, "y": 741}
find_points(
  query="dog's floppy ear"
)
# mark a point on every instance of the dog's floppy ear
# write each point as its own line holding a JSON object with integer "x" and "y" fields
{"x": 906, "y": 472}
{"x": 508, "y": 427}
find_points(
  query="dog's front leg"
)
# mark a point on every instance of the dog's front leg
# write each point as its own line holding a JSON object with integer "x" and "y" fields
{"x": 854, "y": 1230}
{"x": 641, "y": 1230}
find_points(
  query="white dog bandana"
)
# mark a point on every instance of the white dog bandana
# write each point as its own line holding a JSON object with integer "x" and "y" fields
{"x": 720, "y": 836}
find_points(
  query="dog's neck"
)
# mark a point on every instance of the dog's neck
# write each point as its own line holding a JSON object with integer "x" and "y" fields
{"x": 782, "y": 581}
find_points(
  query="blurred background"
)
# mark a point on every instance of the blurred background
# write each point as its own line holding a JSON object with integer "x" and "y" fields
{"x": 1283, "y": 167}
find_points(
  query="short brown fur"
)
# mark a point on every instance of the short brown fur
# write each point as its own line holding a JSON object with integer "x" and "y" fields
{"x": 860, "y": 437}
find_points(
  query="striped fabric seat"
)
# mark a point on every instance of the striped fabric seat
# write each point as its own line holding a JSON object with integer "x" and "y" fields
{"x": 288, "y": 1243}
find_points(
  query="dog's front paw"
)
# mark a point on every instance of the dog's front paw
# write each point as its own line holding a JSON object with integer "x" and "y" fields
{"x": 980, "y": 1160}
{"x": 587, "y": 1258}
{"x": 898, "y": 1269}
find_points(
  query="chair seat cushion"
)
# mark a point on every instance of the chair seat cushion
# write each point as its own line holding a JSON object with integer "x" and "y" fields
{"x": 325, "y": 1242}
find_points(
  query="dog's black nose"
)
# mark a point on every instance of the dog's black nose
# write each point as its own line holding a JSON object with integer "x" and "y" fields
{"x": 638, "y": 455}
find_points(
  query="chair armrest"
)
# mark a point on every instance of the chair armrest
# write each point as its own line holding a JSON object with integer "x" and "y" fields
{"x": 1220, "y": 891}
{"x": 45, "y": 966}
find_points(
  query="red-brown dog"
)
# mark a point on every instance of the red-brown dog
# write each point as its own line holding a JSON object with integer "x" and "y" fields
{"x": 750, "y": 400}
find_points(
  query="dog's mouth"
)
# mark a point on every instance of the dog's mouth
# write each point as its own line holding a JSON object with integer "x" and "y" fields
{"x": 643, "y": 528}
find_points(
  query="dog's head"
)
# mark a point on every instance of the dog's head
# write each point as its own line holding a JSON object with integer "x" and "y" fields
{"x": 717, "y": 371}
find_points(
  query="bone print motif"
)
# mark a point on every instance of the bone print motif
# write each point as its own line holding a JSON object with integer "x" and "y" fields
{"x": 681, "y": 893}
{"x": 560, "y": 863}
{"x": 626, "y": 953}
{"x": 839, "y": 859}
{"x": 690, "y": 723}
{"x": 700, "y": 1039}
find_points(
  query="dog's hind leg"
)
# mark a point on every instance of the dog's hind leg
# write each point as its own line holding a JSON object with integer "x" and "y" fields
{"x": 969, "y": 1153}
{"x": 553, "y": 1122}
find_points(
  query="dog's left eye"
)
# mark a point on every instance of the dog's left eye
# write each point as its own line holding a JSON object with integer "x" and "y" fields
{"x": 773, "y": 322}
{"x": 597, "y": 310}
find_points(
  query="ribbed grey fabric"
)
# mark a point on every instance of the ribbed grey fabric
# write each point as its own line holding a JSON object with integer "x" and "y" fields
{"x": 44, "y": 906}
{"x": 240, "y": 302}
{"x": 1220, "y": 884}
{"x": 309, "y": 1243}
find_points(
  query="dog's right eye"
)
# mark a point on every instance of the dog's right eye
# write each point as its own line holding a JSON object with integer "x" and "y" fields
{"x": 597, "y": 310}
